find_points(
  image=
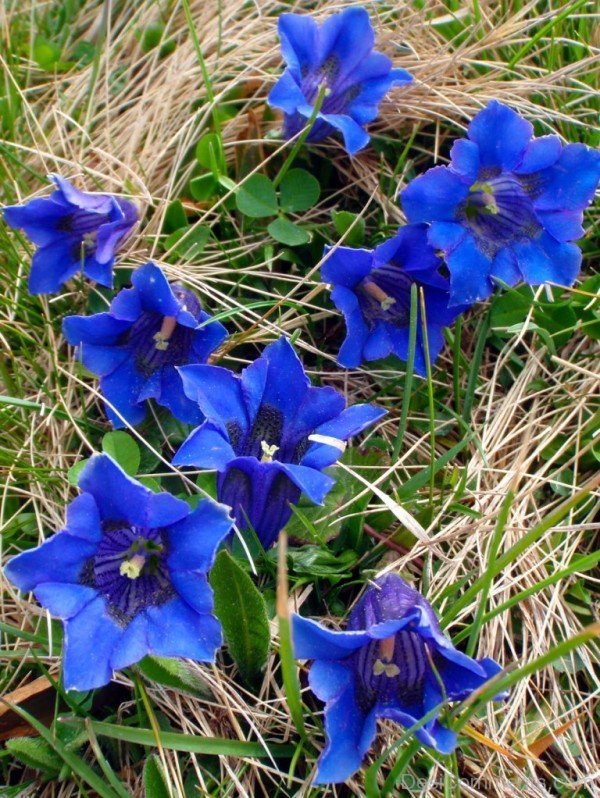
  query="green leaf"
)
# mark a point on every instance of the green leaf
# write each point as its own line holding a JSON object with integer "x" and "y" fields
{"x": 558, "y": 318}
{"x": 188, "y": 242}
{"x": 342, "y": 220}
{"x": 36, "y": 754}
{"x": 70, "y": 759}
{"x": 188, "y": 743}
{"x": 288, "y": 233}
{"x": 122, "y": 448}
{"x": 209, "y": 153}
{"x": 155, "y": 784}
{"x": 510, "y": 308}
{"x": 45, "y": 53}
{"x": 175, "y": 217}
{"x": 204, "y": 187}
{"x": 150, "y": 37}
{"x": 257, "y": 197}
{"x": 75, "y": 470}
{"x": 173, "y": 673}
{"x": 241, "y": 610}
{"x": 299, "y": 191}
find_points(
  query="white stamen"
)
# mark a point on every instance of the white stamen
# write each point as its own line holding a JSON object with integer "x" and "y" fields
{"x": 268, "y": 452}
{"x": 133, "y": 568}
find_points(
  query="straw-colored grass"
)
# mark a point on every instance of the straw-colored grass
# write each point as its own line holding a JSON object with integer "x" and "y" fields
{"x": 128, "y": 122}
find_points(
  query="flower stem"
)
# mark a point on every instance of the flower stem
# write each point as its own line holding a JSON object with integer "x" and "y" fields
{"x": 303, "y": 136}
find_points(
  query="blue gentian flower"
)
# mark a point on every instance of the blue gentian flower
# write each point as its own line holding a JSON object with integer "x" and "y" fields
{"x": 73, "y": 231}
{"x": 340, "y": 53}
{"x": 127, "y": 575}
{"x": 392, "y": 662}
{"x": 372, "y": 288}
{"x": 136, "y": 346}
{"x": 269, "y": 433}
{"x": 508, "y": 205}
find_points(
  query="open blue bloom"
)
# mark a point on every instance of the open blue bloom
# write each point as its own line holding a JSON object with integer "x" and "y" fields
{"x": 136, "y": 346}
{"x": 392, "y": 662}
{"x": 127, "y": 574}
{"x": 508, "y": 205}
{"x": 269, "y": 433}
{"x": 372, "y": 289}
{"x": 340, "y": 54}
{"x": 72, "y": 231}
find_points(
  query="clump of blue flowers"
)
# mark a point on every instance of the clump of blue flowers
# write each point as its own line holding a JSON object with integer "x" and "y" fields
{"x": 339, "y": 54}
{"x": 508, "y": 206}
{"x": 73, "y": 231}
{"x": 269, "y": 433}
{"x": 372, "y": 288}
{"x": 393, "y": 661}
{"x": 136, "y": 347}
{"x": 127, "y": 574}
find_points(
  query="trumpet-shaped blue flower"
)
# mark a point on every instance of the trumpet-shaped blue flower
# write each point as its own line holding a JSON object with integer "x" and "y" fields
{"x": 269, "y": 433}
{"x": 372, "y": 288}
{"x": 508, "y": 206}
{"x": 392, "y": 662}
{"x": 338, "y": 53}
{"x": 127, "y": 575}
{"x": 136, "y": 347}
{"x": 73, "y": 231}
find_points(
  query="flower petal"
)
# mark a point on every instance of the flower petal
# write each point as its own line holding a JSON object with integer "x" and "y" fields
{"x": 346, "y": 266}
{"x": 39, "y": 219}
{"x": 328, "y": 678}
{"x": 121, "y": 498}
{"x": 122, "y": 388}
{"x": 410, "y": 248}
{"x": 154, "y": 290}
{"x": 286, "y": 94}
{"x": 547, "y": 260}
{"x": 193, "y": 541}
{"x": 132, "y": 645}
{"x": 176, "y": 630}
{"x": 83, "y": 519}
{"x": 314, "y": 641}
{"x": 562, "y": 225}
{"x": 95, "y": 203}
{"x": 501, "y": 135}
{"x": 344, "y": 726}
{"x": 469, "y": 273}
{"x": 99, "y": 272}
{"x": 194, "y": 589}
{"x": 101, "y": 328}
{"x": 64, "y": 600}
{"x": 310, "y": 481}
{"x": 347, "y": 36}
{"x": 350, "y": 355}
{"x": 53, "y": 265}
{"x": 351, "y": 421}
{"x": 284, "y": 370}
{"x": 539, "y": 154}
{"x": 61, "y": 558}
{"x": 355, "y": 138}
{"x": 172, "y": 396}
{"x": 434, "y": 734}
{"x": 218, "y": 392}
{"x": 464, "y": 156}
{"x": 434, "y": 196}
{"x": 91, "y": 630}
{"x": 378, "y": 344}
{"x": 299, "y": 35}
{"x": 206, "y": 448}
{"x": 570, "y": 184}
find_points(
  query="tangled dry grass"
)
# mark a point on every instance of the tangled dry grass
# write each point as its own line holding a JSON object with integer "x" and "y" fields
{"x": 130, "y": 120}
